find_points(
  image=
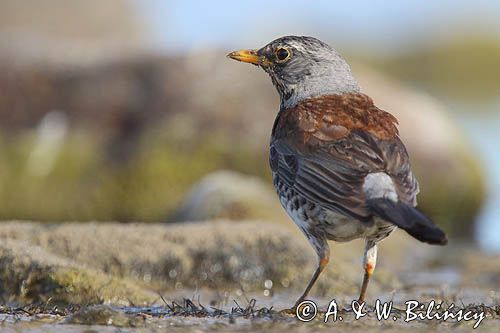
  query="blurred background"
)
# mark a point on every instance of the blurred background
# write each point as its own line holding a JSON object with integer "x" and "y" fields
{"x": 128, "y": 110}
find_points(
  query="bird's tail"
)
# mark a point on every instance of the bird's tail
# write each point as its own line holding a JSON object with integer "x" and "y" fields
{"x": 408, "y": 218}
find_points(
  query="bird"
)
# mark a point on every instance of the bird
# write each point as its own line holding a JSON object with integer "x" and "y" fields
{"x": 339, "y": 166}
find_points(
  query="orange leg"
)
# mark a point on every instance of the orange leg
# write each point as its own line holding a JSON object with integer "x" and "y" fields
{"x": 324, "y": 257}
{"x": 369, "y": 263}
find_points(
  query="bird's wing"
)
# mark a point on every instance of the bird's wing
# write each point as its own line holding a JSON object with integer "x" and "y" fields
{"x": 327, "y": 161}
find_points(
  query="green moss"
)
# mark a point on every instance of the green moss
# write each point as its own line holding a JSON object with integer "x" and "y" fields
{"x": 85, "y": 185}
{"x": 77, "y": 286}
{"x": 30, "y": 274}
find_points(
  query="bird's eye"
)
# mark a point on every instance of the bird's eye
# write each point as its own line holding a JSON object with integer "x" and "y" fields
{"x": 282, "y": 54}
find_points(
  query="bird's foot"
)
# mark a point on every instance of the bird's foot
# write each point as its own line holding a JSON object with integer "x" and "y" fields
{"x": 354, "y": 305}
{"x": 293, "y": 310}
{"x": 288, "y": 312}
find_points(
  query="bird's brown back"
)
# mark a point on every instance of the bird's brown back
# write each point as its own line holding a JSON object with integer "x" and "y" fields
{"x": 338, "y": 140}
{"x": 332, "y": 117}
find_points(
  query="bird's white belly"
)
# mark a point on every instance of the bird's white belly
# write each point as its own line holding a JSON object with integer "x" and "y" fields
{"x": 341, "y": 228}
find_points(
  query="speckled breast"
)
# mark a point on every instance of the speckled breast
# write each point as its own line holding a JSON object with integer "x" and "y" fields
{"x": 317, "y": 222}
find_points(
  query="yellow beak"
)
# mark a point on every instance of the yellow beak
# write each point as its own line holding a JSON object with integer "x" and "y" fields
{"x": 249, "y": 56}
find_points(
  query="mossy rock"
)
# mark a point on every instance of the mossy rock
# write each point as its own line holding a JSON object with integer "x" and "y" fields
{"x": 123, "y": 260}
{"x": 31, "y": 274}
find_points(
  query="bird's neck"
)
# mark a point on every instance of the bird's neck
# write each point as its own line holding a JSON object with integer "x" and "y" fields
{"x": 333, "y": 81}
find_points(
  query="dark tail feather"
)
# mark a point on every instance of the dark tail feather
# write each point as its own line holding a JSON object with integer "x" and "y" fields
{"x": 408, "y": 218}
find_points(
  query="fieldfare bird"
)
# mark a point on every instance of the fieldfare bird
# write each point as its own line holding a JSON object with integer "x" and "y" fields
{"x": 339, "y": 167}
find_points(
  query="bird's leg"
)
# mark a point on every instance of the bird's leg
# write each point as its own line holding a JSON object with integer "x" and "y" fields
{"x": 323, "y": 252}
{"x": 369, "y": 262}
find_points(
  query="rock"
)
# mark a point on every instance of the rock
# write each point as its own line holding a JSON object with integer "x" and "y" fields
{"x": 231, "y": 195}
{"x": 211, "y": 254}
{"x": 29, "y": 273}
{"x": 218, "y": 255}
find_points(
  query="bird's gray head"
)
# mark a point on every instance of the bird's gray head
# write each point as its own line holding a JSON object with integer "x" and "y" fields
{"x": 301, "y": 67}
